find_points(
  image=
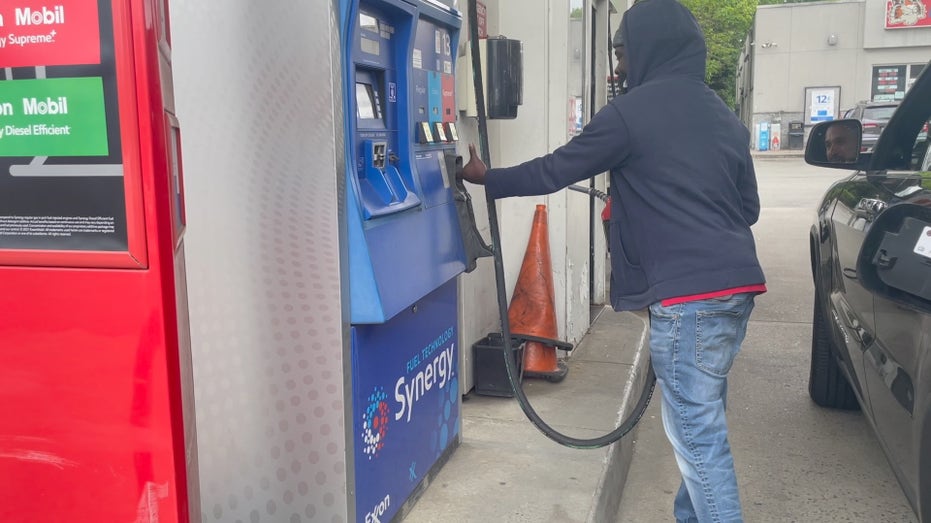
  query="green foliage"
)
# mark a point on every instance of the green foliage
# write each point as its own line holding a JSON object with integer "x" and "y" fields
{"x": 725, "y": 24}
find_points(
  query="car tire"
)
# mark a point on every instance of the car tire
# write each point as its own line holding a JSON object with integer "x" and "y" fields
{"x": 827, "y": 385}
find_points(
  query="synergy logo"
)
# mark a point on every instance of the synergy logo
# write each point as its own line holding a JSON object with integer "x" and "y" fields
{"x": 375, "y": 423}
{"x": 437, "y": 371}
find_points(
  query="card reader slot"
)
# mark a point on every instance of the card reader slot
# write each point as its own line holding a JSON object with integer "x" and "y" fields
{"x": 383, "y": 188}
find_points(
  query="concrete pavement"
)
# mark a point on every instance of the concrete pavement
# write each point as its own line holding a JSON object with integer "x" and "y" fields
{"x": 506, "y": 471}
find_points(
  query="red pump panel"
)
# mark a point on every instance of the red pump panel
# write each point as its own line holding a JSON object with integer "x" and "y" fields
{"x": 69, "y": 156}
{"x": 95, "y": 385}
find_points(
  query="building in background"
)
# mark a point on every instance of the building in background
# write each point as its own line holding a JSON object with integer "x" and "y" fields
{"x": 810, "y": 62}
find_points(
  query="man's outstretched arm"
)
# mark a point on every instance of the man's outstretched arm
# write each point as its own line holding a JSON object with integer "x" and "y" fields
{"x": 602, "y": 145}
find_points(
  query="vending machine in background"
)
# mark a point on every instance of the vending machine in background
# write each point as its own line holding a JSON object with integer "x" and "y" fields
{"x": 95, "y": 368}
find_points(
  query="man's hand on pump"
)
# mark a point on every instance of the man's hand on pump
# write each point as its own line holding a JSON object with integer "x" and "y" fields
{"x": 474, "y": 171}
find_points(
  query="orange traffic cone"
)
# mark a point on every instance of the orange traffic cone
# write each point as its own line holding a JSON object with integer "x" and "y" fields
{"x": 532, "y": 311}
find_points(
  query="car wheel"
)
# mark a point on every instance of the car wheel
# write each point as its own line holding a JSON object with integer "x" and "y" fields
{"x": 827, "y": 385}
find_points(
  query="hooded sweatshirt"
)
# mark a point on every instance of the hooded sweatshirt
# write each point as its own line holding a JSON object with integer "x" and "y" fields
{"x": 683, "y": 189}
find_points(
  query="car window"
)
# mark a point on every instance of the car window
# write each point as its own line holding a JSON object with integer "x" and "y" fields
{"x": 878, "y": 113}
{"x": 905, "y": 181}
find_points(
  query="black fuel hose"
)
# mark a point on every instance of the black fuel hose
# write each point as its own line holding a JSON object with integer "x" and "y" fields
{"x": 513, "y": 374}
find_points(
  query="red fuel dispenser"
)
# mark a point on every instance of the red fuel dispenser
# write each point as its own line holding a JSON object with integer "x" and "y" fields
{"x": 96, "y": 402}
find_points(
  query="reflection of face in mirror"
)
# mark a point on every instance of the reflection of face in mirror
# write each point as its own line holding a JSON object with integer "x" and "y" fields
{"x": 841, "y": 142}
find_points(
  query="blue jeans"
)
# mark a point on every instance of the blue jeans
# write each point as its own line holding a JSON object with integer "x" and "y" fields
{"x": 693, "y": 346}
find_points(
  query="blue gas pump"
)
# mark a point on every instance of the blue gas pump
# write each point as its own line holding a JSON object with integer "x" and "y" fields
{"x": 405, "y": 246}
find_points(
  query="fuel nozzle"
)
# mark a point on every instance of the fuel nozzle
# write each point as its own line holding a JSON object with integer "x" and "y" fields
{"x": 475, "y": 246}
{"x": 459, "y": 164}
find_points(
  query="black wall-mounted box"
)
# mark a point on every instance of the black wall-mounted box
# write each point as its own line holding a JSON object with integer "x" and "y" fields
{"x": 505, "y": 73}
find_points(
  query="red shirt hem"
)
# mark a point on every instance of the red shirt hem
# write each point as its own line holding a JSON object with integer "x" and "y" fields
{"x": 759, "y": 289}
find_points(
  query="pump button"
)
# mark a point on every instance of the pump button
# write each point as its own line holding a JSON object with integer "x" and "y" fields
{"x": 424, "y": 133}
{"x": 441, "y": 132}
{"x": 452, "y": 132}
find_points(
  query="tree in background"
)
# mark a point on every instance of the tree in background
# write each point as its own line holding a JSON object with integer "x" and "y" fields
{"x": 725, "y": 24}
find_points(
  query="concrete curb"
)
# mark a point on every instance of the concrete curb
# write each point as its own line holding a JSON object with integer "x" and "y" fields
{"x": 778, "y": 155}
{"x": 607, "y": 497}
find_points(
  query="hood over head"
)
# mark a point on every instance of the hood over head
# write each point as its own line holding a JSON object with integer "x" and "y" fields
{"x": 618, "y": 40}
{"x": 662, "y": 39}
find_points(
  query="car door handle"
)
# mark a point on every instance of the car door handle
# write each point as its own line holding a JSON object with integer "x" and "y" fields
{"x": 869, "y": 208}
{"x": 861, "y": 333}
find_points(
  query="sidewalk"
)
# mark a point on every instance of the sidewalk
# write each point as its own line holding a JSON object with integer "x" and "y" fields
{"x": 506, "y": 471}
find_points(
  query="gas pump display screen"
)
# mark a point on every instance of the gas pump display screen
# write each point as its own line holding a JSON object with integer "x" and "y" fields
{"x": 366, "y": 102}
{"x": 61, "y": 162}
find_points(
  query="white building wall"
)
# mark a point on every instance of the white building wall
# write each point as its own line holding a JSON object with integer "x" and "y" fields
{"x": 802, "y": 55}
{"x": 541, "y": 126}
{"x": 543, "y": 27}
{"x": 797, "y": 46}
{"x": 824, "y": 44}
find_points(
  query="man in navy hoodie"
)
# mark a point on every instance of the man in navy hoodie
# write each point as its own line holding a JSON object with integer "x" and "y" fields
{"x": 683, "y": 198}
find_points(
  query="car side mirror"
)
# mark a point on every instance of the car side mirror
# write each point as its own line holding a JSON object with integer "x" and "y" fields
{"x": 895, "y": 258}
{"x": 835, "y": 144}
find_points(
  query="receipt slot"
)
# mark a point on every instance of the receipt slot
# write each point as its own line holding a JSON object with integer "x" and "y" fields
{"x": 405, "y": 245}
{"x": 95, "y": 381}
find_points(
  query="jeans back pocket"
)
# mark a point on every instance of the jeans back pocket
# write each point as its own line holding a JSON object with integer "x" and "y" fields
{"x": 718, "y": 335}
